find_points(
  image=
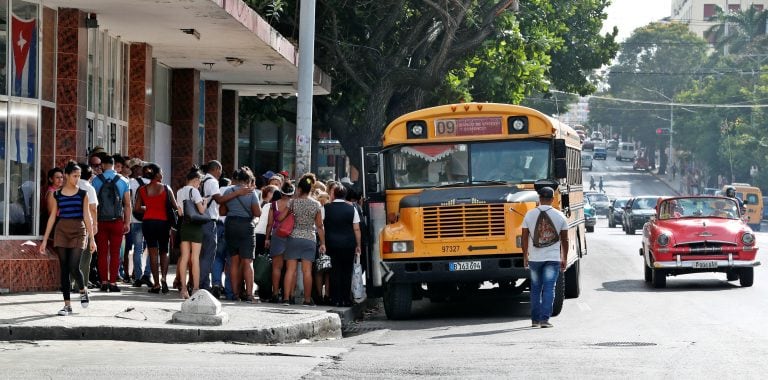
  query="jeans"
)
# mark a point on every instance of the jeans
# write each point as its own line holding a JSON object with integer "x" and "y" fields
{"x": 207, "y": 254}
{"x": 137, "y": 241}
{"x": 220, "y": 262}
{"x": 544, "y": 275}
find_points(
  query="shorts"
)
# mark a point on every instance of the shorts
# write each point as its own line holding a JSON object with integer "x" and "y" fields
{"x": 240, "y": 235}
{"x": 277, "y": 245}
{"x": 157, "y": 233}
{"x": 300, "y": 249}
{"x": 191, "y": 232}
{"x": 70, "y": 233}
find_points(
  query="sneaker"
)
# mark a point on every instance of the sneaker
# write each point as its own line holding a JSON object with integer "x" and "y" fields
{"x": 114, "y": 289}
{"x": 535, "y": 324}
{"x": 147, "y": 281}
{"x": 286, "y": 302}
{"x": 309, "y": 303}
{"x": 104, "y": 287}
{"x": 65, "y": 311}
{"x": 546, "y": 324}
{"x": 137, "y": 284}
{"x": 84, "y": 300}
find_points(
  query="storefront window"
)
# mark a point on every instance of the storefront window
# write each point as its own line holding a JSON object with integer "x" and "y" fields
{"x": 3, "y": 47}
{"x": 22, "y": 181}
{"x": 24, "y": 41}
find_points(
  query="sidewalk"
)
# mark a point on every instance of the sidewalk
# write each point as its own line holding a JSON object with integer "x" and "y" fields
{"x": 135, "y": 315}
{"x": 676, "y": 184}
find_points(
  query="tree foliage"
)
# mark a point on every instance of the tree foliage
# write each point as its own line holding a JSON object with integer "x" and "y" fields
{"x": 390, "y": 57}
{"x": 735, "y": 31}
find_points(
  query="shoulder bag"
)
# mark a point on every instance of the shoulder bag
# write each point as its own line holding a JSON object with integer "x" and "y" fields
{"x": 286, "y": 225}
{"x": 192, "y": 214}
{"x": 171, "y": 213}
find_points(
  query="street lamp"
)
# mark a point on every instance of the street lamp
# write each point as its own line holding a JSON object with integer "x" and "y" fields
{"x": 671, "y": 123}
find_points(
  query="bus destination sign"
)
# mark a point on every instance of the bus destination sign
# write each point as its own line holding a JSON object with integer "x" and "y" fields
{"x": 471, "y": 126}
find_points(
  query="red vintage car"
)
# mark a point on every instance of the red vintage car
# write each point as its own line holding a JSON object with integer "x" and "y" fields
{"x": 698, "y": 234}
{"x": 641, "y": 163}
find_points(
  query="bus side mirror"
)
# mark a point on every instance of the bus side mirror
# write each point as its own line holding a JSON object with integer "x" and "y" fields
{"x": 372, "y": 162}
{"x": 565, "y": 201}
{"x": 371, "y": 183}
{"x": 559, "y": 147}
{"x": 561, "y": 168}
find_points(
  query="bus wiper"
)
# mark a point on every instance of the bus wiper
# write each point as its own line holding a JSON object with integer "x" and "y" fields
{"x": 452, "y": 184}
{"x": 489, "y": 182}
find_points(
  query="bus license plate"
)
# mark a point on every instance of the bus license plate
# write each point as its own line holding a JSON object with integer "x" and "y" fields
{"x": 705, "y": 264}
{"x": 456, "y": 266}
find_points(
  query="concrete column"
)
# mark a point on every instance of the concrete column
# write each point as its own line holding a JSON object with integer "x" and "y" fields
{"x": 185, "y": 111}
{"x": 230, "y": 109}
{"x": 141, "y": 114}
{"x": 212, "y": 120}
{"x": 306, "y": 84}
{"x": 71, "y": 88}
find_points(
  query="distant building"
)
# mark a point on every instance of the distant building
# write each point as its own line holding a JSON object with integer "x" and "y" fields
{"x": 699, "y": 14}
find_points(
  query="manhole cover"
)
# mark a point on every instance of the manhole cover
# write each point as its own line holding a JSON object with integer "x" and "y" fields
{"x": 624, "y": 344}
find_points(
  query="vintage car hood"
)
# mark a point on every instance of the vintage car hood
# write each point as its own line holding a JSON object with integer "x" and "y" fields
{"x": 688, "y": 230}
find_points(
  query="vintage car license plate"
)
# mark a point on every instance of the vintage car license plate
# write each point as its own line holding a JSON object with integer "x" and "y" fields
{"x": 456, "y": 266}
{"x": 705, "y": 264}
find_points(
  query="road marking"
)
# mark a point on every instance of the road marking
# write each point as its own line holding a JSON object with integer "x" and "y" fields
{"x": 583, "y": 306}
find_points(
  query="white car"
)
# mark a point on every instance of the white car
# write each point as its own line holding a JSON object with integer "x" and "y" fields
{"x": 586, "y": 161}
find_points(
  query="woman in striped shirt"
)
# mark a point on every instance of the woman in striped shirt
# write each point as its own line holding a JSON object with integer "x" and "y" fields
{"x": 73, "y": 232}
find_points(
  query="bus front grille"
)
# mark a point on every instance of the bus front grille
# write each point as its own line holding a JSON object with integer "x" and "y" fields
{"x": 464, "y": 221}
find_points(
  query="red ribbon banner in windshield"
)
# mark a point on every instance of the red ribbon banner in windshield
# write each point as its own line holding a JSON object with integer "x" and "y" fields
{"x": 429, "y": 153}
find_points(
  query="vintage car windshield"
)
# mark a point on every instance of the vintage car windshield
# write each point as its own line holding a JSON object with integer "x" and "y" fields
{"x": 644, "y": 203}
{"x": 619, "y": 203}
{"x": 698, "y": 208}
{"x": 598, "y": 197}
{"x": 474, "y": 163}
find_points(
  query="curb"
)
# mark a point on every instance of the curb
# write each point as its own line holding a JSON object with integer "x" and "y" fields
{"x": 323, "y": 327}
{"x": 664, "y": 181}
{"x": 355, "y": 312}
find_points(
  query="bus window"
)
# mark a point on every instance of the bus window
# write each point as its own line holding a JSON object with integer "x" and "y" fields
{"x": 427, "y": 165}
{"x": 510, "y": 161}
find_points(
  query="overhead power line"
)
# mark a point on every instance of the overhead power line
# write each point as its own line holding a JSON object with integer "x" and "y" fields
{"x": 675, "y": 104}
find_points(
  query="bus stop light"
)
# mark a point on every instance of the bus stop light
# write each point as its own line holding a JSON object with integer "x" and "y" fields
{"x": 662, "y": 131}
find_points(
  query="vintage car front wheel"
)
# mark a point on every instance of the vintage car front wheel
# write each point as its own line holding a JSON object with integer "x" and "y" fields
{"x": 648, "y": 272}
{"x": 659, "y": 278}
{"x": 746, "y": 277}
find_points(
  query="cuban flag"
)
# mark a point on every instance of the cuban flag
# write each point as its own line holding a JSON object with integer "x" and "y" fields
{"x": 24, "y": 44}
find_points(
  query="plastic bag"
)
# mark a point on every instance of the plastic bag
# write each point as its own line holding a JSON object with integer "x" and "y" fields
{"x": 358, "y": 289}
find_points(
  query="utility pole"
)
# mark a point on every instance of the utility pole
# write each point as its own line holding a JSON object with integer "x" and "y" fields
{"x": 306, "y": 84}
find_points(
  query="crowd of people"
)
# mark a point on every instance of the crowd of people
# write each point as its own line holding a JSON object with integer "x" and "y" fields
{"x": 100, "y": 213}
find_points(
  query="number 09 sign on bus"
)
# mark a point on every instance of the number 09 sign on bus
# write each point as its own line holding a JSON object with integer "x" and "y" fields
{"x": 474, "y": 126}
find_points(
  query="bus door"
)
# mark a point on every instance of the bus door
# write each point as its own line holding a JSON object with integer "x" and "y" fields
{"x": 375, "y": 215}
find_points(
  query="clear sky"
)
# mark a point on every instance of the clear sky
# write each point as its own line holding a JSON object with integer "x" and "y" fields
{"x": 628, "y": 15}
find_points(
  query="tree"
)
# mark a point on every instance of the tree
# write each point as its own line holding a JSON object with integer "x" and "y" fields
{"x": 394, "y": 56}
{"x": 736, "y": 31}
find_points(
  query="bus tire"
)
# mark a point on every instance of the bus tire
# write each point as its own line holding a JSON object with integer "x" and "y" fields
{"x": 557, "y": 305}
{"x": 397, "y": 301}
{"x": 573, "y": 280}
{"x": 746, "y": 277}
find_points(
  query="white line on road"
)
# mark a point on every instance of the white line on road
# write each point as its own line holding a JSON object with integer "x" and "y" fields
{"x": 583, "y": 306}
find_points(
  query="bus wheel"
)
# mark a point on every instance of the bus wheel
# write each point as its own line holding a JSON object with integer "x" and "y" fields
{"x": 573, "y": 280}
{"x": 557, "y": 306}
{"x": 397, "y": 301}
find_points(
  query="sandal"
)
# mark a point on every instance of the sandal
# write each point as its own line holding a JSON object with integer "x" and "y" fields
{"x": 164, "y": 286}
{"x": 184, "y": 295}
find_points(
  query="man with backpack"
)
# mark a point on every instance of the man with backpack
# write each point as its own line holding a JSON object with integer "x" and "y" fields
{"x": 114, "y": 221}
{"x": 135, "y": 238}
{"x": 543, "y": 228}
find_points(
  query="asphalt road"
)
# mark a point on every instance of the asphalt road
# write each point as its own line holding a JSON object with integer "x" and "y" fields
{"x": 700, "y": 326}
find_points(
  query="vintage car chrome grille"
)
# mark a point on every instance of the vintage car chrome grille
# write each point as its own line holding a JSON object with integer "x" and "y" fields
{"x": 461, "y": 221}
{"x": 706, "y": 247}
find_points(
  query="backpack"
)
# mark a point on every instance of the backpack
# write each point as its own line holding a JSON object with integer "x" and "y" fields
{"x": 544, "y": 233}
{"x": 110, "y": 202}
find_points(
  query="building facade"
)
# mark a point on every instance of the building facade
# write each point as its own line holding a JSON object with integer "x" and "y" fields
{"x": 698, "y": 14}
{"x": 160, "y": 81}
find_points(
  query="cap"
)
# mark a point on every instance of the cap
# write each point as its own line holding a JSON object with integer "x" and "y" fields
{"x": 134, "y": 162}
{"x": 546, "y": 192}
{"x": 269, "y": 174}
{"x": 284, "y": 173}
{"x": 288, "y": 190}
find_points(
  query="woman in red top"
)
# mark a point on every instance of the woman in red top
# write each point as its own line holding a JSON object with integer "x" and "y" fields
{"x": 155, "y": 201}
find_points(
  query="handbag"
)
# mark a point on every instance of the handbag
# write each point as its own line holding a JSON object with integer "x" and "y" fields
{"x": 358, "y": 289}
{"x": 323, "y": 263}
{"x": 171, "y": 213}
{"x": 285, "y": 227}
{"x": 262, "y": 271}
{"x": 192, "y": 214}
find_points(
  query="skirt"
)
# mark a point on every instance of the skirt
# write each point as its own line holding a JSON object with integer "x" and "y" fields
{"x": 191, "y": 232}
{"x": 300, "y": 249}
{"x": 70, "y": 233}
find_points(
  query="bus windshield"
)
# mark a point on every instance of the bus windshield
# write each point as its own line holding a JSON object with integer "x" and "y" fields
{"x": 470, "y": 163}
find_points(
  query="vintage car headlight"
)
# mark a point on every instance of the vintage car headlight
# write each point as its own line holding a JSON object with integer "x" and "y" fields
{"x": 663, "y": 240}
{"x": 404, "y": 246}
{"x": 748, "y": 238}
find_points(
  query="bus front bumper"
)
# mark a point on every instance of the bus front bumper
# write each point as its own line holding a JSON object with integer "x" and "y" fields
{"x": 455, "y": 270}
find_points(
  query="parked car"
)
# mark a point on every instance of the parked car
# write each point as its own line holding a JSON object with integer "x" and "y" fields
{"x": 586, "y": 161}
{"x": 600, "y": 153}
{"x": 590, "y": 220}
{"x": 698, "y": 234}
{"x": 599, "y": 201}
{"x": 625, "y": 151}
{"x": 637, "y": 212}
{"x": 641, "y": 163}
{"x": 616, "y": 212}
{"x": 588, "y": 145}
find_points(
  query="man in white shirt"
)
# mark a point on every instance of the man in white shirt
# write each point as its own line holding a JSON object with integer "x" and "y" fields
{"x": 543, "y": 255}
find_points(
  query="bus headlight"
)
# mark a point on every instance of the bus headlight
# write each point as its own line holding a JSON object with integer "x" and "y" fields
{"x": 416, "y": 129}
{"x": 404, "y": 246}
{"x": 517, "y": 125}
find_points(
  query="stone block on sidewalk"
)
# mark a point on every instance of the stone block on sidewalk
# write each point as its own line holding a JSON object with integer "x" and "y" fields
{"x": 201, "y": 309}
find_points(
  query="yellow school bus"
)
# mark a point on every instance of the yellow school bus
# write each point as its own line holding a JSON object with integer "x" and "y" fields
{"x": 446, "y": 194}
